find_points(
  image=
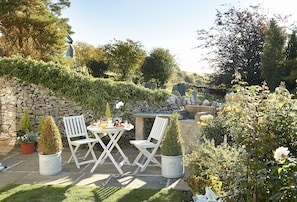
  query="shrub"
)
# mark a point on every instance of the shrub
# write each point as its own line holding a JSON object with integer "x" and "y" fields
{"x": 25, "y": 122}
{"x": 257, "y": 121}
{"x": 212, "y": 166}
{"x": 172, "y": 141}
{"x": 89, "y": 92}
{"x": 50, "y": 141}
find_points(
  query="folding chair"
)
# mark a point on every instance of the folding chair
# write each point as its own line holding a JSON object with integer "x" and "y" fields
{"x": 77, "y": 135}
{"x": 149, "y": 147}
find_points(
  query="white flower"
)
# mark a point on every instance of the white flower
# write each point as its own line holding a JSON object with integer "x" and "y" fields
{"x": 281, "y": 153}
{"x": 206, "y": 117}
{"x": 119, "y": 104}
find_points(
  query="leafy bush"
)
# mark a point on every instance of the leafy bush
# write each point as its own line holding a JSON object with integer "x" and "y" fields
{"x": 212, "y": 166}
{"x": 257, "y": 122}
{"x": 87, "y": 91}
{"x": 49, "y": 141}
{"x": 171, "y": 144}
{"x": 279, "y": 178}
{"x": 25, "y": 122}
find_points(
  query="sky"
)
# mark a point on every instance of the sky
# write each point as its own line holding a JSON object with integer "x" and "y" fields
{"x": 168, "y": 24}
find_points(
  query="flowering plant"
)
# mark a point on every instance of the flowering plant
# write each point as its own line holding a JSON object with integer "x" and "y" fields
{"x": 281, "y": 154}
{"x": 279, "y": 178}
{"x": 118, "y": 106}
{"x": 26, "y": 137}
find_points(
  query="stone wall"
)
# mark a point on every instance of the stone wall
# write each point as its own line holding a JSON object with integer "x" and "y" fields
{"x": 16, "y": 95}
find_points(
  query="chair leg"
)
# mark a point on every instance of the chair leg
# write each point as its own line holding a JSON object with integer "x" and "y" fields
{"x": 149, "y": 157}
{"x": 73, "y": 152}
{"x": 137, "y": 159}
{"x": 90, "y": 150}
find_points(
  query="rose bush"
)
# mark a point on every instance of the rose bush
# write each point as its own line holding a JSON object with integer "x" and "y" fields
{"x": 256, "y": 122}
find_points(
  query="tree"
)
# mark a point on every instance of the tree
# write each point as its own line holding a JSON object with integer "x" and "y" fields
{"x": 97, "y": 69}
{"x": 235, "y": 44}
{"x": 291, "y": 52}
{"x": 124, "y": 58}
{"x": 158, "y": 67}
{"x": 89, "y": 56}
{"x": 290, "y": 67}
{"x": 33, "y": 28}
{"x": 273, "y": 56}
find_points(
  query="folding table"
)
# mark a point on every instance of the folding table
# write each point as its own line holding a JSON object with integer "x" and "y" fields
{"x": 114, "y": 134}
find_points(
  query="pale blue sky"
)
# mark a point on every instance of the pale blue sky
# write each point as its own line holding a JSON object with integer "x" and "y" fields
{"x": 168, "y": 24}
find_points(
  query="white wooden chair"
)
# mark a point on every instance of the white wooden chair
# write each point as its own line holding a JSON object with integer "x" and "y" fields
{"x": 149, "y": 147}
{"x": 77, "y": 135}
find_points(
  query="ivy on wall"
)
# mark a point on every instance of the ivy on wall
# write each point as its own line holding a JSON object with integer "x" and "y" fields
{"x": 92, "y": 93}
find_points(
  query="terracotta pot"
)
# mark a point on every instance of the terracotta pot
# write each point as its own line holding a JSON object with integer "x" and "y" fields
{"x": 27, "y": 148}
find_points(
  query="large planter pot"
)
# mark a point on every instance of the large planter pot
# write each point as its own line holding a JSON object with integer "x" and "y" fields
{"x": 172, "y": 166}
{"x": 50, "y": 164}
{"x": 27, "y": 148}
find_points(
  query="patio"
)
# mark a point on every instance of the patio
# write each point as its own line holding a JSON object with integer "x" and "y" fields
{"x": 24, "y": 169}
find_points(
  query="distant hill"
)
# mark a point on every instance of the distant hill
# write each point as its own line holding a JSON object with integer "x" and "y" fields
{"x": 188, "y": 78}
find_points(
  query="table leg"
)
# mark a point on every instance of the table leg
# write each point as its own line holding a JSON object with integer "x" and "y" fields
{"x": 107, "y": 149}
{"x": 125, "y": 158}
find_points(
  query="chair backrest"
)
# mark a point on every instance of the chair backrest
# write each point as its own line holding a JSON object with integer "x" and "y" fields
{"x": 158, "y": 129}
{"x": 75, "y": 126}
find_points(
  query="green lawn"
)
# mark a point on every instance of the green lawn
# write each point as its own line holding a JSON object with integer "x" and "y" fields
{"x": 55, "y": 193}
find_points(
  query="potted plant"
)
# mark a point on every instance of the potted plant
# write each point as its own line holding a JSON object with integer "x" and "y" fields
{"x": 27, "y": 141}
{"x": 26, "y": 137}
{"x": 50, "y": 148}
{"x": 171, "y": 150}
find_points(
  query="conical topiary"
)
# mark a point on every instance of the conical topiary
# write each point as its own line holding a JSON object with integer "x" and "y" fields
{"x": 49, "y": 141}
{"x": 25, "y": 122}
{"x": 107, "y": 112}
{"x": 40, "y": 125}
{"x": 172, "y": 142}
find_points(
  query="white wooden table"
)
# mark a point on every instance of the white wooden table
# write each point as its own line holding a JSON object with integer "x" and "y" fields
{"x": 114, "y": 134}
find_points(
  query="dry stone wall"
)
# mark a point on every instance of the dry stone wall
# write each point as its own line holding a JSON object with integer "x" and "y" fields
{"x": 16, "y": 95}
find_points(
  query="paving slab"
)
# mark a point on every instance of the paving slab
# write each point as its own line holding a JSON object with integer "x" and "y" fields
{"x": 24, "y": 169}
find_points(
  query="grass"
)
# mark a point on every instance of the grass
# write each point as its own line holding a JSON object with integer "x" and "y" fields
{"x": 56, "y": 193}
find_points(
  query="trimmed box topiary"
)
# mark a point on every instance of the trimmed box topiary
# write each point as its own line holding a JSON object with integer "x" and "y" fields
{"x": 49, "y": 141}
{"x": 50, "y": 148}
{"x": 172, "y": 150}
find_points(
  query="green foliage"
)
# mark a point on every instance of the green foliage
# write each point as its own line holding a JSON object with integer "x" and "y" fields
{"x": 124, "y": 58}
{"x": 290, "y": 66}
{"x": 40, "y": 125}
{"x": 291, "y": 52}
{"x": 97, "y": 69}
{"x": 215, "y": 130}
{"x": 34, "y": 29}
{"x": 158, "y": 66}
{"x": 107, "y": 111}
{"x": 273, "y": 55}
{"x": 212, "y": 166}
{"x": 90, "y": 93}
{"x": 257, "y": 122}
{"x": 279, "y": 180}
{"x": 49, "y": 141}
{"x": 86, "y": 55}
{"x": 26, "y": 137}
{"x": 235, "y": 44}
{"x": 171, "y": 144}
{"x": 25, "y": 122}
